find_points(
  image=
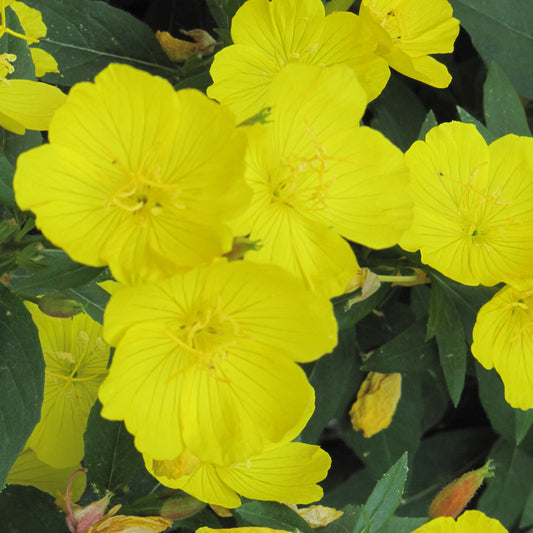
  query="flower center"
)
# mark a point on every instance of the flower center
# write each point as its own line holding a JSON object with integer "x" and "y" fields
{"x": 143, "y": 192}
{"x": 207, "y": 336}
{"x": 304, "y": 181}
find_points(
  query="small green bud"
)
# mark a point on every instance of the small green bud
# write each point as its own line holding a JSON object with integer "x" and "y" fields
{"x": 59, "y": 306}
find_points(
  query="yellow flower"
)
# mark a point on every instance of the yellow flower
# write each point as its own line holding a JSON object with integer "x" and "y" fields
{"x": 503, "y": 339}
{"x": 268, "y": 35}
{"x": 288, "y": 473}
{"x": 409, "y": 30}
{"x": 317, "y": 177}
{"x": 29, "y": 470}
{"x": 376, "y": 402}
{"x": 34, "y": 28}
{"x": 240, "y": 530}
{"x": 468, "y": 522}
{"x": 136, "y": 175}
{"x": 473, "y": 219}
{"x": 76, "y": 359}
{"x": 205, "y": 360}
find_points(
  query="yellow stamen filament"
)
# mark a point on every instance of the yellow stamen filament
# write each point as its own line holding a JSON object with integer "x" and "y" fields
{"x": 4, "y": 29}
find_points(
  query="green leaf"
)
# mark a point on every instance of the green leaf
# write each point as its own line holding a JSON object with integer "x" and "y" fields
{"x": 21, "y": 379}
{"x": 452, "y": 351}
{"x": 385, "y": 497}
{"x": 335, "y": 378}
{"x": 271, "y": 514}
{"x": 523, "y": 423}
{"x": 491, "y": 394}
{"x": 85, "y": 36}
{"x": 346, "y": 523}
{"x": 92, "y": 297}
{"x": 338, "y": 5}
{"x": 7, "y": 196}
{"x": 348, "y": 315}
{"x": 60, "y": 273}
{"x": 408, "y": 351}
{"x": 506, "y": 493}
{"x": 223, "y": 11}
{"x": 526, "y": 519}
{"x": 501, "y": 32}
{"x": 110, "y": 455}
{"x": 467, "y": 118}
{"x": 28, "y": 510}
{"x": 402, "y": 525}
{"x": 504, "y": 112}
{"x": 429, "y": 122}
{"x": 355, "y": 490}
{"x": 399, "y": 114}
{"x": 383, "y": 449}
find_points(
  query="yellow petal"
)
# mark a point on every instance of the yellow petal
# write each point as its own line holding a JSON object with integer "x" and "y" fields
{"x": 30, "y": 103}
{"x": 43, "y": 62}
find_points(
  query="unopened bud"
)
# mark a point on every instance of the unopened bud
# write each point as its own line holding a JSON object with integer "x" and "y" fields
{"x": 241, "y": 245}
{"x": 179, "y": 508}
{"x": 453, "y": 498}
{"x": 59, "y": 306}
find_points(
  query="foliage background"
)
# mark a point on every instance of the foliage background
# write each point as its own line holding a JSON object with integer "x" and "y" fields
{"x": 452, "y": 415}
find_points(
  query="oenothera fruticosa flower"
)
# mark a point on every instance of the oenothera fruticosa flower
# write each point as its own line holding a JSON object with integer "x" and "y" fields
{"x": 317, "y": 176}
{"x": 76, "y": 359}
{"x": 288, "y": 474}
{"x": 34, "y": 28}
{"x": 472, "y": 217}
{"x": 136, "y": 175}
{"x": 268, "y": 35}
{"x": 503, "y": 339}
{"x": 205, "y": 360}
{"x": 29, "y": 470}
{"x": 468, "y": 522}
{"x": 408, "y": 31}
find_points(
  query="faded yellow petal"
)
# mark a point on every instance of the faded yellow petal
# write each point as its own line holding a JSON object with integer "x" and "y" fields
{"x": 376, "y": 402}
{"x": 317, "y": 515}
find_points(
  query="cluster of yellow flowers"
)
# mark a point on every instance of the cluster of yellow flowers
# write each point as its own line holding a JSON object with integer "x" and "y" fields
{"x": 156, "y": 184}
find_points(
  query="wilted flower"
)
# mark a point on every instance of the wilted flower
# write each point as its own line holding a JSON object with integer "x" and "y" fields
{"x": 376, "y": 402}
{"x": 317, "y": 515}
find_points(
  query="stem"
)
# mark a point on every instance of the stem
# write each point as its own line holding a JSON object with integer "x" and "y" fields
{"x": 400, "y": 279}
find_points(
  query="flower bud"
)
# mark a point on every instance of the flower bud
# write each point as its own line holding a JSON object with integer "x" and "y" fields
{"x": 59, "y": 306}
{"x": 180, "y": 508}
{"x": 453, "y": 498}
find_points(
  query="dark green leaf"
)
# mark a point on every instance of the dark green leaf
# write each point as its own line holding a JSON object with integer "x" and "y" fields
{"x": 399, "y": 114}
{"x": 60, "y": 273}
{"x": 346, "y": 523}
{"x": 501, "y": 32}
{"x": 355, "y": 490}
{"x": 382, "y": 450}
{"x": 506, "y": 493}
{"x": 526, "y": 519}
{"x": 408, "y": 351}
{"x": 85, "y": 36}
{"x": 28, "y": 510}
{"x": 335, "y": 378}
{"x": 523, "y": 422}
{"x": 223, "y": 10}
{"x": 420, "y": 296}
{"x": 402, "y": 525}
{"x": 21, "y": 379}
{"x": 93, "y": 298}
{"x": 7, "y": 196}
{"x": 110, "y": 455}
{"x": 348, "y": 314}
{"x": 499, "y": 412}
{"x": 452, "y": 351}
{"x": 467, "y": 118}
{"x": 504, "y": 112}
{"x": 429, "y": 122}
{"x": 385, "y": 497}
{"x": 273, "y": 515}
